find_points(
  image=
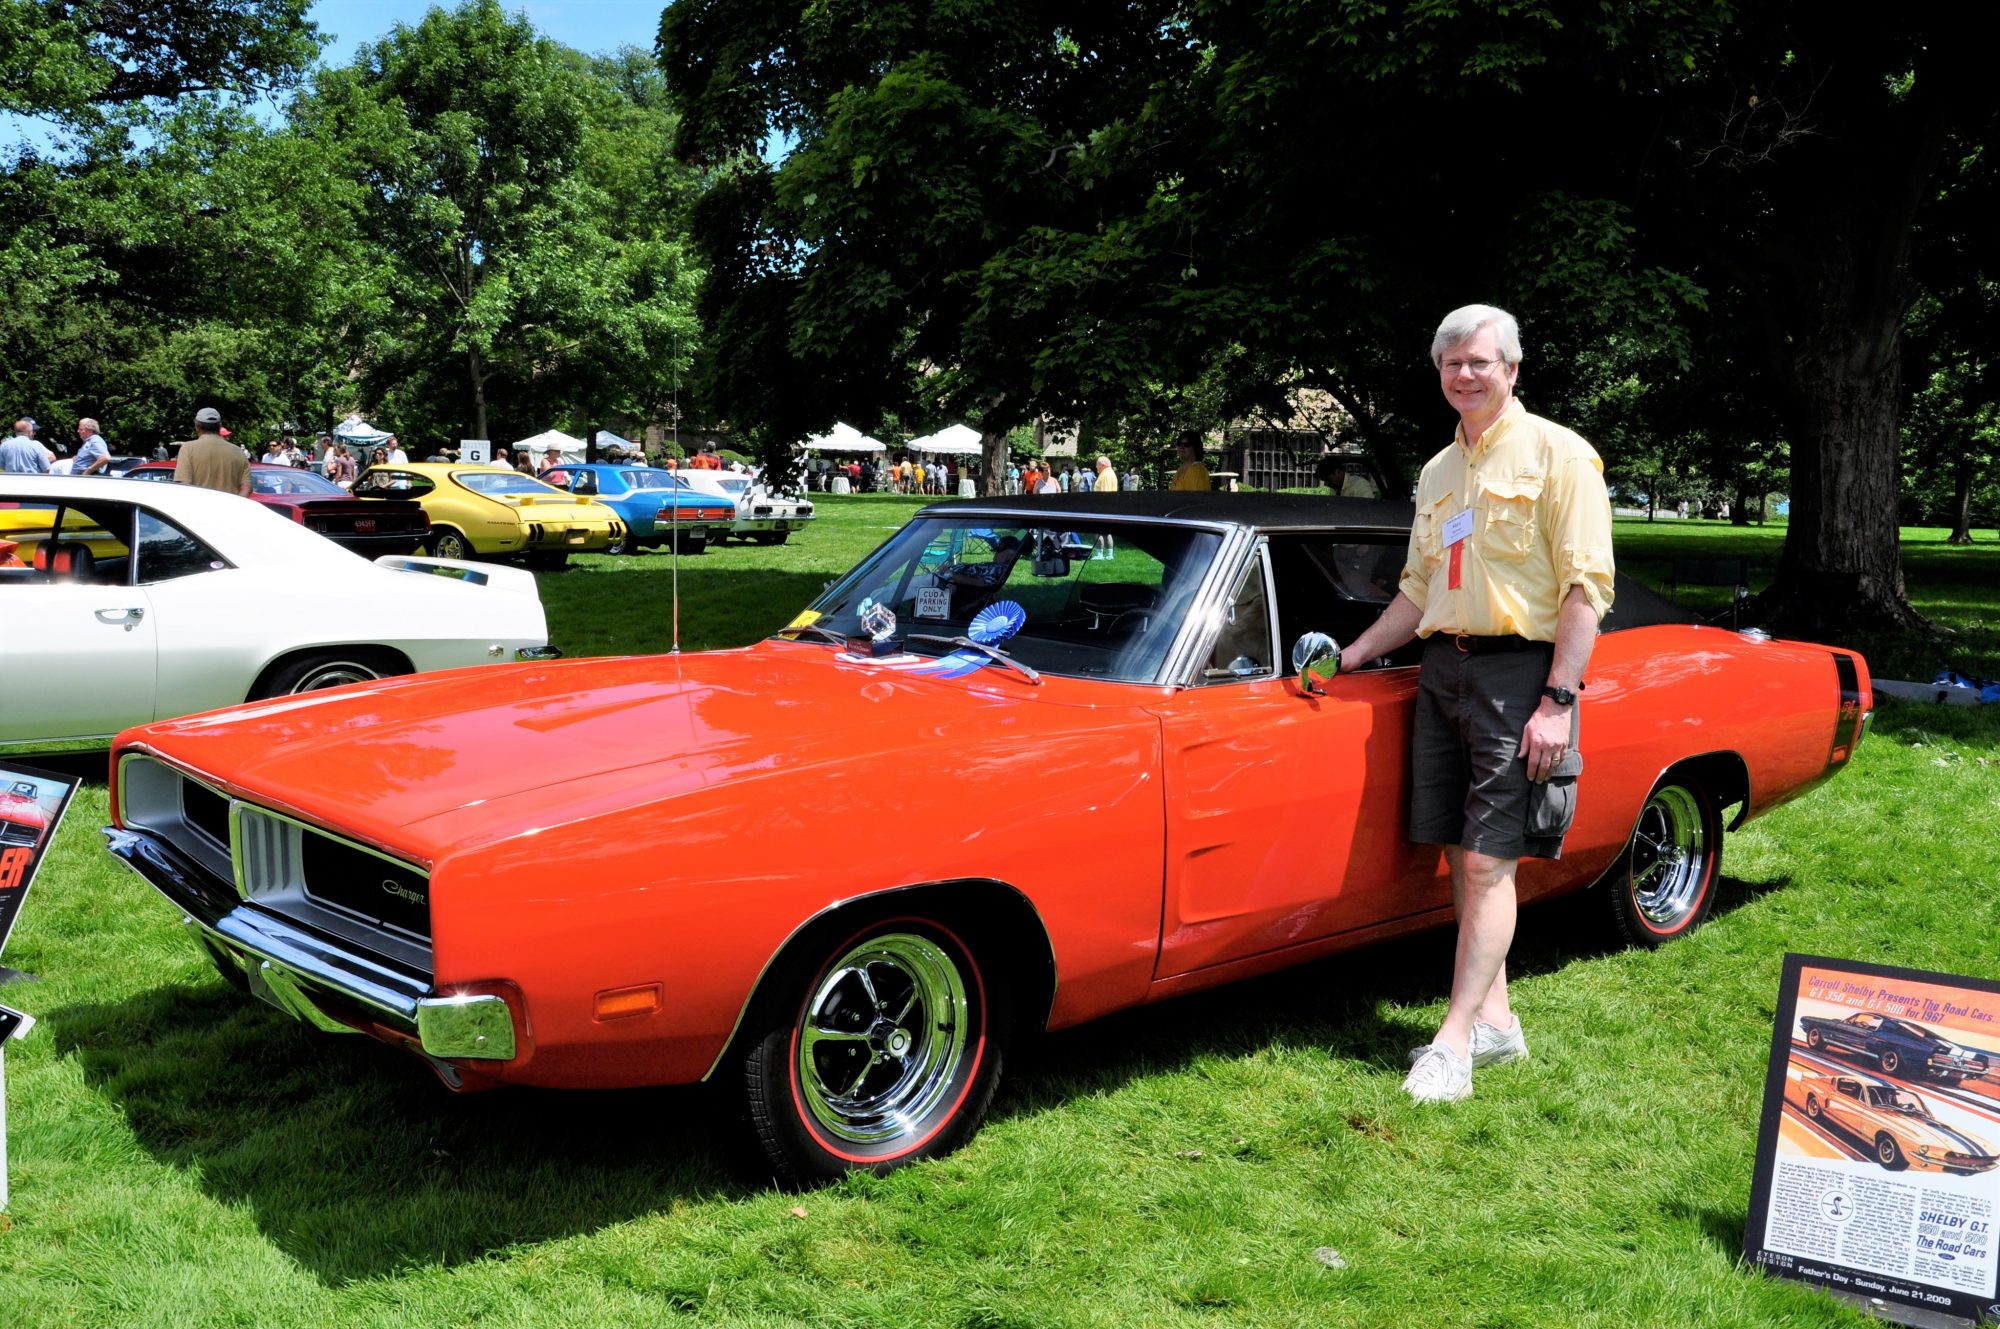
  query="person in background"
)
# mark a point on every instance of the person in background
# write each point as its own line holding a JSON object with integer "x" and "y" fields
{"x": 1107, "y": 477}
{"x": 21, "y": 455}
{"x": 500, "y": 459}
{"x": 1192, "y": 476}
{"x": 397, "y": 457}
{"x": 93, "y": 454}
{"x": 209, "y": 460}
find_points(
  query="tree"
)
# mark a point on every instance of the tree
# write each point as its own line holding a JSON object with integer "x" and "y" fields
{"x": 71, "y": 60}
{"x": 491, "y": 200}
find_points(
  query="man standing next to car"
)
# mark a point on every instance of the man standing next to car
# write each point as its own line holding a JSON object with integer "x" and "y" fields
{"x": 1509, "y": 572}
{"x": 211, "y": 461}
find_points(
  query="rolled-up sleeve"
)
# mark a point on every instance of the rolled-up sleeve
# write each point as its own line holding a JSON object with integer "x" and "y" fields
{"x": 1579, "y": 510}
{"x": 1415, "y": 586}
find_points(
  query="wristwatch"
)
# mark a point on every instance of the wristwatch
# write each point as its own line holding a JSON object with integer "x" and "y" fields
{"x": 1560, "y": 696}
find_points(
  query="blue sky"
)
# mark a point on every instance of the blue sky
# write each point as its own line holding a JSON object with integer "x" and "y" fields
{"x": 592, "y": 26}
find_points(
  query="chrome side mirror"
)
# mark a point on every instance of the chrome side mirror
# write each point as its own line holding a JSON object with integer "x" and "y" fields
{"x": 1316, "y": 657}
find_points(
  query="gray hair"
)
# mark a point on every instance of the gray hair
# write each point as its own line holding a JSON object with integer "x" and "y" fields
{"x": 1463, "y": 324}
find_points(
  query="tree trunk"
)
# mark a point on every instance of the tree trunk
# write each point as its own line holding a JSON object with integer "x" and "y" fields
{"x": 1842, "y": 568}
{"x": 474, "y": 371}
{"x": 1961, "y": 504}
{"x": 993, "y": 456}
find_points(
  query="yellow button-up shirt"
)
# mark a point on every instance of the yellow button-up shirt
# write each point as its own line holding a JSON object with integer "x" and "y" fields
{"x": 1541, "y": 523}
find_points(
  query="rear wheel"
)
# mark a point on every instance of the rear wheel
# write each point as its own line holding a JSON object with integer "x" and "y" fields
{"x": 624, "y": 544}
{"x": 884, "y": 1048}
{"x": 448, "y": 543}
{"x": 1892, "y": 1061}
{"x": 324, "y": 669}
{"x": 1664, "y": 884}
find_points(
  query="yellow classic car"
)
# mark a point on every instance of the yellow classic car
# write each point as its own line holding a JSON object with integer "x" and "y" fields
{"x": 489, "y": 511}
{"x": 1887, "y": 1122}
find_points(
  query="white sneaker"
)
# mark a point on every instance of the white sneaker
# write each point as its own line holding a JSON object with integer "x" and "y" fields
{"x": 1439, "y": 1076}
{"x": 1496, "y": 1047}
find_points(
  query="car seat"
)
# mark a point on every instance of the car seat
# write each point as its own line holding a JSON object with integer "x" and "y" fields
{"x": 68, "y": 561}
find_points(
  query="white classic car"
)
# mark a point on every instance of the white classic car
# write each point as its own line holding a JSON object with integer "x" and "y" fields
{"x": 123, "y": 602}
{"x": 764, "y": 516}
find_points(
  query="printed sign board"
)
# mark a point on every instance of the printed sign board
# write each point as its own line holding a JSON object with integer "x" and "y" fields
{"x": 1878, "y": 1160}
{"x": 475, "y": 451}
{"x": 32, "y": 804}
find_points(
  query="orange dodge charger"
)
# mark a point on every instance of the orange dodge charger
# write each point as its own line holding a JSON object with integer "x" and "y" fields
{"x": 1104, "y": 779}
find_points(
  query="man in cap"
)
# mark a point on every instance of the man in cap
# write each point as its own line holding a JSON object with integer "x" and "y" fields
{"x": 210, "y": 461}
{"x": 21, "y": 455}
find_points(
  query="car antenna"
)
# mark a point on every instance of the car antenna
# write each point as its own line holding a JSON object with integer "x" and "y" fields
{"x": 675, "y": 536}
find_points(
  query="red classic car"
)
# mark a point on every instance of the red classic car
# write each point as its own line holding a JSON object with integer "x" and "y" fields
{"x": 1032, "y": 761}
{"x": 22, "y": 820}
{"x": 371, "y": 524}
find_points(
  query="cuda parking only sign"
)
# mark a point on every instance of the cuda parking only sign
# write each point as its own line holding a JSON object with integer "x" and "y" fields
{"x": 1878, "y": 1162}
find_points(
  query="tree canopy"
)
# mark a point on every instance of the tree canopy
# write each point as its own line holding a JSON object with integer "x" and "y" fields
{"x": 1703, "y": 213}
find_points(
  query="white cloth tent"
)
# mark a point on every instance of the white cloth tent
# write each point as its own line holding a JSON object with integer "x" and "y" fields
{"x": 951, "y": 441}
{"x": 356, "y": 430}
{"x": 569, "y": 448}
{"x": 844, "y": 438}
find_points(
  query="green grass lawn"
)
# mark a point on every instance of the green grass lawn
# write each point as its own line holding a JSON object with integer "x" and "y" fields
{"x": 184, "y": 1158}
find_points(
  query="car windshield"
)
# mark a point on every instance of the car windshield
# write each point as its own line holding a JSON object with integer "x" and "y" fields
{"x": 292, "y": 481}
{"x": 1081, "y": 598}
{"x": 1896, "y": 1100}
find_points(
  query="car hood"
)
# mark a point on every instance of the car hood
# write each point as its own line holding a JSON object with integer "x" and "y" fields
{"x": 466, "y": 756}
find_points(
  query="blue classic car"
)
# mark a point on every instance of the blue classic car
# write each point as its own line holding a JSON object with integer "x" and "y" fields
{"x": 652, "y": 502}
{"x": 1897, "y": 1046}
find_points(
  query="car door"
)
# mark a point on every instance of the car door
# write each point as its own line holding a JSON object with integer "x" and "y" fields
{"x": 1286, "y": 813}
{"x": 78, "y": 641}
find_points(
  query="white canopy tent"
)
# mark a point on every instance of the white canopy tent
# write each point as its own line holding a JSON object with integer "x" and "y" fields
{"x": 844, "y": 438}
{"x": 568, "y": 448}
{"x": 356, "y": 430}
{"x": 951, "y": 441}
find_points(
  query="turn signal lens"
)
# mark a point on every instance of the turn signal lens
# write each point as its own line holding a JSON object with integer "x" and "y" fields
{"x": 615, "y": 1003}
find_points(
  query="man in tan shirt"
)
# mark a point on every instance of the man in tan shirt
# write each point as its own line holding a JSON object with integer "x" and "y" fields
{"x": 211, "y": 461}
{"x": 1508, "y": 573}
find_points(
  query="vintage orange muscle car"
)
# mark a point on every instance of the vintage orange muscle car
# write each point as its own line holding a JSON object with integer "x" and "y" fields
{"x": 1032, "y": 761}
{"x": 1892, "y": 1125}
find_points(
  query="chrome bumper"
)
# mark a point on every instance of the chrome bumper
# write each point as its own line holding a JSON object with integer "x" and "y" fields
{"x": 309, "y": 978}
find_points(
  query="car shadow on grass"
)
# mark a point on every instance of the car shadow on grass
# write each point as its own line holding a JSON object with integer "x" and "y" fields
{"x": 357, "y": 1163}
{"x": 1369, "y": 1005}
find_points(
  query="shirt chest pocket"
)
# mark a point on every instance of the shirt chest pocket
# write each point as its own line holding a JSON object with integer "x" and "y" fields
{"x": 1427, "y": 531}
{"x": 1508, "y": 528}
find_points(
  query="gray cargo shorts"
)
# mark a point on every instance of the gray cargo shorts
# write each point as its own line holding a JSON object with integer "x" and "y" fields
{"x": 1469, "y": 784}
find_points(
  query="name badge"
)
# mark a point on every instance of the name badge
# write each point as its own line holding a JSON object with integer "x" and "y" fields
{"x": 1457, "y": 527}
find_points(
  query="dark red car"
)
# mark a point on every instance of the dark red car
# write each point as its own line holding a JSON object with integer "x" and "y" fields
{"x": 370, "y": 524}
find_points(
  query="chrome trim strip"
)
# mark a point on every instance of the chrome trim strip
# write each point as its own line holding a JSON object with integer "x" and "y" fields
{"x": 359, "y": 980}
{"x": 1181, "y": 667}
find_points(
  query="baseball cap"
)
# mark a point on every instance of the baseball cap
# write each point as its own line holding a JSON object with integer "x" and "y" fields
{"x": 208, "y": 415}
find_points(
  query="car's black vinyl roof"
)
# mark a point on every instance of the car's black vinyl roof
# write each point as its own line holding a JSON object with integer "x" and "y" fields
{"x": 1634, "y": 605}
{"x": 1265, "y": 511}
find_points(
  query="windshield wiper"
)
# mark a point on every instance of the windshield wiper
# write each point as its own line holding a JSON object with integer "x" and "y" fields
{"x": 837, "y": 638}
{"x": 990, "y": 652}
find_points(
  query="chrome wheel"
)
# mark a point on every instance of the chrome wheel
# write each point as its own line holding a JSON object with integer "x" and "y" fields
{"x": 882, "y": 1038}
{"x": 884, "y": 1052}
{"x": 1664, "y": 883}
{"x": 447, "y": 543}
{"x": 1669, "y": 858}
{"x": 332, "y": 674}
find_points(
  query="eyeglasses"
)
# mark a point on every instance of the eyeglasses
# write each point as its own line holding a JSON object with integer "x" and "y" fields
{"x": 1451, "y": 367}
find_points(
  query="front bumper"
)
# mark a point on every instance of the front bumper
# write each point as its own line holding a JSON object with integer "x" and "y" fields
{"x": 312, "y": 977}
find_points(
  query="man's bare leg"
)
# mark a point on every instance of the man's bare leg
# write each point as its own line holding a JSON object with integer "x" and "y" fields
{"x": 1482, "y": 890}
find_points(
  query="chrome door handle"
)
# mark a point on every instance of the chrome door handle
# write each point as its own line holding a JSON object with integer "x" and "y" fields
{"x": 126, "y": 618}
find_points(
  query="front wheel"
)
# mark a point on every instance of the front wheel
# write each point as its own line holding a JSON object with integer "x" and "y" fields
{"x": 1663, "y": 885}
{"x": 884, "y": 1050}
{"x": 1888, "y": 1153}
